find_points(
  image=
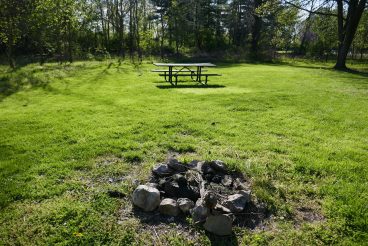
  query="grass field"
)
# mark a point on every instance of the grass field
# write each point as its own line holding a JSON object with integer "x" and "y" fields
{"x": 68, "y": 134}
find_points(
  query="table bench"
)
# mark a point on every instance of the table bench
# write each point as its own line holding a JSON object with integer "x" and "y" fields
{"x": 184, "y": 70}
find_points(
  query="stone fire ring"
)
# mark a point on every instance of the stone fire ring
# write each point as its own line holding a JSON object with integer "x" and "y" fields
{"x": 206, "y": 190}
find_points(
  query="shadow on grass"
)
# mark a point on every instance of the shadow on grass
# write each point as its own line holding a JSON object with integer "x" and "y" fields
{"x": 252, "y": 217}
{"x": 327, "y": 68}
{"x": 222, "y": 241}
{"x": 199, "y": 86}
{"x": 320, "y": 66}
{"x": 12, "y": 81}
{"x": 317, "y": 65}
{"x": 352, "y": 71}
{"x": 10, "y": 84}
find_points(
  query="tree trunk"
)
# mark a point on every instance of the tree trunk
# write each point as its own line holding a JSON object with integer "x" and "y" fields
{"x": 196, "y": 27}
{"x": 256, "y": 30}
{"x": 137, "y": 32}
{"x": 347, "y": 32}
{"x": 162, "y": 35}
{"x": 256, "y": 33}
{"x": 103, "y": 25}
{"x": 120, "y": 17}
{"x": 9, "y": 47}
{"x": 176, "y": 37}
{"x": 9, "y": 54}
{"x": 70, "y": 45}
{"x": 302, "y": 47}
{"x": 131, "y": 31}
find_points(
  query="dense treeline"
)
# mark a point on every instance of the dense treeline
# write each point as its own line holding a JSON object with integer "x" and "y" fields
{"x": 257, "y": 29}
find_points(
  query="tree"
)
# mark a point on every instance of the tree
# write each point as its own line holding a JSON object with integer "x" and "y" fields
{"x": 66, "y": 28}
{"x": 324, "y": 42}
{"x": 239, "y": 21}
{"x": 54, "y": 24}
{"x": 349, "y": 13}
{"x": 347, "y": 26}
{"x": 284, "y": 28}
{"x": 256, "y": 29}
{"x": 12, "y": 17}
{"x": 361, "y": 37}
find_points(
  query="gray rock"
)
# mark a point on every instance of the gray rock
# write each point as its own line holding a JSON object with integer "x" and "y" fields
{"x": 236, "y": 203}
{"x": 176, "y": 189}
{"x": 199, "y": 212}
{"x": 193, "y": 164}
{"x": 208, "y": 177}
{"x": 146, "y": 197}
{"x": 220, "y": 225}
{"x": 185, "y": 204}
{"x": 169, "y": 206}
{"x": 176, "y": 165}
{"x": 153, "y": 179}
{"x": 180, "y": 179}
{"x": 161, "y": 183}
{"x": 171, "y": 188}
{"x": 162, "y": 170}
{"x": 193, "y": 177}
{"x": 153, "y": 185}
{"x": 219, "y": 209}
{"x": 219, "y": 166}
{"x": 216, "y": 179}
{"x": 246, "y": 194}
{"x": 227, "y": 180}
{"x": 209, "y": 199}
{"x": 199, "y": 165}
{"x": 238, "y": 184}
{"x": 192, "y": 192}
{"x": 207, "y": 169}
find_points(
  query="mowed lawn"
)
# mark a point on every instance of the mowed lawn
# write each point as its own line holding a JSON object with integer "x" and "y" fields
{"x": 69, "y": 134}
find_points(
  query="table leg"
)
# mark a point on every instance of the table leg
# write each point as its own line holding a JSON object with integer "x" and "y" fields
{"x": 200, "y": 74}
{"x": 170, "y": 75}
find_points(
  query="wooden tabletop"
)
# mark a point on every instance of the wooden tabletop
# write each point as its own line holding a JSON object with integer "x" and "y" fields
{"x": 184, "y": 64}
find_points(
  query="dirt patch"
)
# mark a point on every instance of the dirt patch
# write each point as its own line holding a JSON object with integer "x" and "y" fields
{"x": 308, "y": 214}
{"x": 107, "y": 160}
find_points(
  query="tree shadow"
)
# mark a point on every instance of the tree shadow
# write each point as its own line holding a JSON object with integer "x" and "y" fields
{"x": 231, "y": 240}
{"x": 353, "y": 71}
{"x": 305, "y": 64}
{"x": 326, "y": 68}
{"x": 198, "y": 86}
{"x": 10, "y": 84}
{"x": 319, "y": 67}
{"x": 14, "y": 80}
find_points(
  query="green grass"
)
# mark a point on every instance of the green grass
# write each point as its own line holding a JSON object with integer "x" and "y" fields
{"x": 298, "y": 131}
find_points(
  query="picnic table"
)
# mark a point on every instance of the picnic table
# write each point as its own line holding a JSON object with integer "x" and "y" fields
{"x": 192, "y": 70}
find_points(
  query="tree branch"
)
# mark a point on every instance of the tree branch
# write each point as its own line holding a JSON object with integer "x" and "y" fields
{"x": 310, "y": 11}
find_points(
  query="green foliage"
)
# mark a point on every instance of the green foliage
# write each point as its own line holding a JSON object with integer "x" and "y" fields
{"x": 54, "y": 24}
{"x": 284, "y": 35}
{"x": 323, "y": 35}
{"x": 10, "y": 19}
{"x": 361, "y": 38}
{"x": 65, "y": 30}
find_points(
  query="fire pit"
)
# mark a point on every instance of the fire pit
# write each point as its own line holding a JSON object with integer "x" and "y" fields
{"x": 208, "y": 191}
